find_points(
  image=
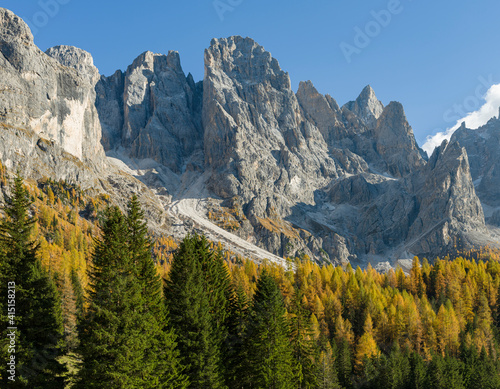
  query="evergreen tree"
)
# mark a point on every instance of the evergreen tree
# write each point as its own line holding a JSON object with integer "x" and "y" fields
{"x": 444, "y": 373}
{"x": 369, "y": 371}
{"x": 160, "y": 368}
{"x": 269, "y": 349}
{"x": 38, "y": 315}
{"x": 303, "y": 344}
{"x": 485, "y": 373}
{"x": 395, "y": 372}
{"x": 70, "y": 314}
{"x": 417, "y": 372}
{"x": 110, "y": 336}
{"x": 189, "y": 305}
{"x": 326, "y": 371}
{"x": 219, "y": 290}
{"x": 117, "y": 336}
{"x": 453, "y": 368}
{"x": 234, "y": 349}
{"x": 78, "y": 291}
{"x": 344, "y": 364}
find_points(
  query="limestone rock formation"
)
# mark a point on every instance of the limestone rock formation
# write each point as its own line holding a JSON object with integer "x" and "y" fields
{"x": 366, "y": 107}
{"x": 39, "y": 94}
{"x": 257, "y": 143}
{"x": 109, "y": 103}
{"x": 76, "y": 58}
{"x": 49, "y": 125}
{"x": 483, "y": 149}
{"x": 448, "y": 205}
{"x": 293, "y": 173}
{"x": 153, "y": 110}
{"x": 395, "y": 142}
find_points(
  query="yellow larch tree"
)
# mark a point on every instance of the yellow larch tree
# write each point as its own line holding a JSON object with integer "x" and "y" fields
{"x": 366, "y": 347}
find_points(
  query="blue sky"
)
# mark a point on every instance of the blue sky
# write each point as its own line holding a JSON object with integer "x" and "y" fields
{"x": 437, "y": 58}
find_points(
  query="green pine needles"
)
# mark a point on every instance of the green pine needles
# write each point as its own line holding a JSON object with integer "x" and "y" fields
{"x": 270, "y": 353}
{"x": 125, "y": 340}
{"x": 198, "y": 293}
{"x": 38, "y": 315}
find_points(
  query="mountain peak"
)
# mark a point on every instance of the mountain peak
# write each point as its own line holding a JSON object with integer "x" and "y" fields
{"x": 75, "y": 58}
{"x": 12, "y": 27}
{"x": 246, "y": 61}
{"x": 367, "y": 93}
{"x": 366, "y": 107}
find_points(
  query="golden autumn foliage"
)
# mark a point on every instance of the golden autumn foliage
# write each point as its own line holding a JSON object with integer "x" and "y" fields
{"x": 430, "y": 310}
{"x": 366, "y": 347}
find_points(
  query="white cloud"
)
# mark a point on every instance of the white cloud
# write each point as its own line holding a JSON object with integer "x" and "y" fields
{"x": 472, "y": 120}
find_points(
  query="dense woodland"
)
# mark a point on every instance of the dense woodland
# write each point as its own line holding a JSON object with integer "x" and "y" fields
{"x": 102, "y": 304}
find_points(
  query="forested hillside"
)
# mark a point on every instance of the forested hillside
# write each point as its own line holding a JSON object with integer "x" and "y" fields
{"x": 101, "y": 304}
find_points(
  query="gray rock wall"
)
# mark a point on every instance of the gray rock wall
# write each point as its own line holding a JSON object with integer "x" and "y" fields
{"x": 310, "y": 177}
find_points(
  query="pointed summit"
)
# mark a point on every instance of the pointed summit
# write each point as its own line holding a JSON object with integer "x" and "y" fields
{"x": 367, "y": 93}
{"x": 366, "y": 107}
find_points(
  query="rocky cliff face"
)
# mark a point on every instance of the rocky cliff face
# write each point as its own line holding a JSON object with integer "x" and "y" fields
{"x": 395, "y": 143}
{"x": 366, "y": 107}
{"x": 367, "y": 202}
{"x": 293, "y": 173}
{"x": 449, "y": 209}
{"x": 153, "y": 110}
{"x": 483, "y": 145}
{"x": 257, "y": 143}
{"x": 39, "y": 94}
{"x": 382, "y": 136}
{"x": 49, "y": 125}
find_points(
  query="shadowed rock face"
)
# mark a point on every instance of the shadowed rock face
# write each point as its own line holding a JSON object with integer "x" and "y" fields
{"x": 483, "y": 149}
{"x": 395, "y": 143}
{"x": 448, "y": 204}
{"x": 309, "y": 176}
{"x": 153, "y": 110}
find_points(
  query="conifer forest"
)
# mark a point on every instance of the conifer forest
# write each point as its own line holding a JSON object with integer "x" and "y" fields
{"x": 102, "y": 303}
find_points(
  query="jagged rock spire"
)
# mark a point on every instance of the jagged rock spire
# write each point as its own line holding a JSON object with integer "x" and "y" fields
{"x": 366, "y": 107}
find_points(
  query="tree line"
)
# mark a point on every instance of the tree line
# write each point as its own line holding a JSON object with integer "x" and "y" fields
{"x": 211, "y": 323}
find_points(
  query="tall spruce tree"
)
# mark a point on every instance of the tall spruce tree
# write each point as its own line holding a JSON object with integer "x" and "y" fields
{"x": 161, "y": 367}
{"x": 117, "y": 339}
{"x": 395, "y": 370}
{"x": 78, "y": 291}
{"x": 191, "y": 294}
{"x": 303, "y": 343}
{"x": 271, "y": 363}
{"x": 418, "y": 371}
{"x": 344, "y": 364}
{"x": 38, "y": 315}
{"x": 327, "y": 373}
{"x": 444, "y": 373}
{"x": 219, "y": 290}
{"x": 234, "y": 349}
{"x": 110, "y": 338}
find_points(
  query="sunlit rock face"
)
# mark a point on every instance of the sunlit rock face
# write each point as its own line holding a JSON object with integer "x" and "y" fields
{"x": 303, "y": 175}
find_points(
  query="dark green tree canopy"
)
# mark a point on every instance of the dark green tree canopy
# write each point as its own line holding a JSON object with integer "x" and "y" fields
{"x": 38, "y": 316}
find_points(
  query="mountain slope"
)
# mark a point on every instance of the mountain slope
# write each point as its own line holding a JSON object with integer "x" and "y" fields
{"x": 292, "y": 173}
